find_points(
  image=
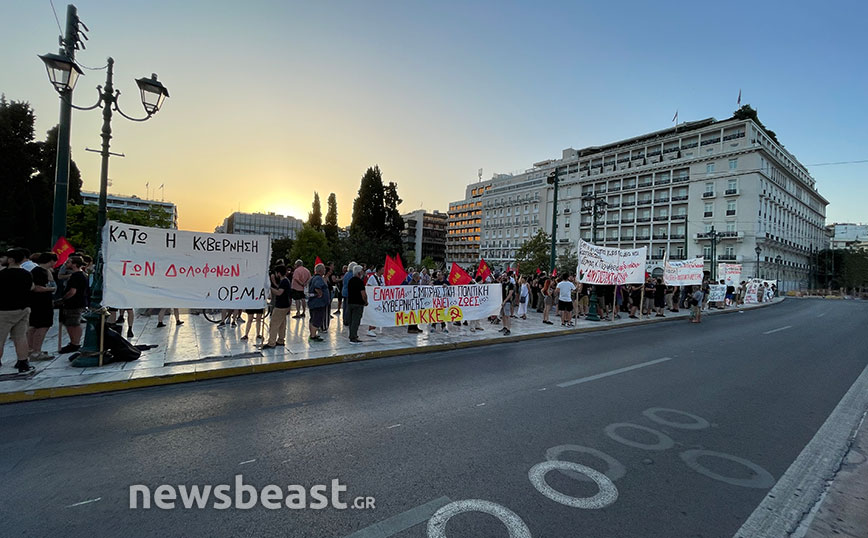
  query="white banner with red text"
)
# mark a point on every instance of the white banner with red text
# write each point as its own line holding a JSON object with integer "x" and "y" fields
{"x": 683, "y": 272}
{"x": 159, "y": 268}
{"x": 607, "y": 266}
{"x": 730, "y": 273}
{"x": 399, "y": 306}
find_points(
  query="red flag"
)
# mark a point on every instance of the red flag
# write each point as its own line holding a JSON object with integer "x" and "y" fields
{"x": 63, "y": 250}
{"x": 399, "y": 261}
{"x": 394, "y": 272}
{"x": 554, "y": 272}
{"x": 483, "y": 270}
{"x": 538, "y": 270}
{"x": 317, "y": 261}
{"x": 458, "y": 276}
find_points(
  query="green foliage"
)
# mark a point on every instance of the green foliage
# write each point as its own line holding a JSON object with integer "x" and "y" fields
{"x": 331, "y": 221}
{"x": 27, "y": 170}
{"x": 314, "y": 218}
{"x": 308, "y": 244}
{"x": 746, "y": 112}
{"x": 535, "y": 253}
{"x": 854, "y": 269}
{"x": 377, "y": 224}
{"x": 428, "y": 263}
{"x": 568, "y": 263}
{"x": 280, "y": 250}
{"x": 81, "y": 230}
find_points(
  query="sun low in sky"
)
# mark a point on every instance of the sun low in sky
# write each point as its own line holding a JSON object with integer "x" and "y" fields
{"x": 271, "y": 101}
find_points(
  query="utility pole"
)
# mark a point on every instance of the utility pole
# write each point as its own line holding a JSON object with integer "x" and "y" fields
{"x": 713, "y": 252}
{"x": 554, "y": 179}
{"x": 69, "y": 43}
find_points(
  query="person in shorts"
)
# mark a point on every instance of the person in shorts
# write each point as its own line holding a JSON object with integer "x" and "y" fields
{"x": 565, "y": 300}
{"x": 15, "y": 286}
{"x": 73, "y": 303}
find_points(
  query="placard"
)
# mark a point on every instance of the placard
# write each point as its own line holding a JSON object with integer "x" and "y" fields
{"x": 159, "y": 268}
{"x": 730, "y": 273}
{"x": 608, "y": 266}
{"x": 716, "y": 293}
{"x": 399, "y": 306}
{"x": 683, "y": 272}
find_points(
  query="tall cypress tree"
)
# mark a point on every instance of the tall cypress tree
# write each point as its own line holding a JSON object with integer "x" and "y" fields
{"x": 314, "y": 219}
{"x": 331, "y": 221}
{"x": 369, "y": 215}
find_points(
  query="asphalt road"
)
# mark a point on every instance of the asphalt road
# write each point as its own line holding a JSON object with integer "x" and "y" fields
{"x": 421, "y": 431}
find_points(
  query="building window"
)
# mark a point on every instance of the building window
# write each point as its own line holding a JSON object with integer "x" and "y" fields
{"x": 709, "y": 168}
{"x": 730, "y": 208}
{"x": 709, "y": 210}
{"x": 706, "y": 252}
{"x": 732, "y": 186}
{"x": 709, "y": 187}
{"x": 730, "y": 226}
{"x": 733, "y": 164}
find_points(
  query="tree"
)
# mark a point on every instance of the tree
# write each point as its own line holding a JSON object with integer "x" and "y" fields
{"x": 535, "y": 253}
{"x": 280, "y": 249}
{"x": 308, "y": 244}
{"x": 746, "y": 112}
{"x": 314, "y": 218}
{"x": 429, "y": 263}
{"x": 568, "y": 263}
{"x": 376, "y": 227}
{"x": 41, "y": 187}
{"x": 331, "y": 221}
{"x": 17, "y": 158}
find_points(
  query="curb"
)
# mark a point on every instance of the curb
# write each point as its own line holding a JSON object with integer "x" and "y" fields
{"x": 170, "y": 379}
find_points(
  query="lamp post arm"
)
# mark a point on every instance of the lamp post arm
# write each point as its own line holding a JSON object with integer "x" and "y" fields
{"x": 121, "y": 112}
{"x": 67, "y": 99}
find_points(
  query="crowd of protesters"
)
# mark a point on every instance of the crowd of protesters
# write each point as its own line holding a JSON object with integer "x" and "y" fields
{"x": 31, "y": 287}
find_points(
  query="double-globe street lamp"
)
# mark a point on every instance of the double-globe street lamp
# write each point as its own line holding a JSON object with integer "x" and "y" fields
{"x": 63, "y": 73}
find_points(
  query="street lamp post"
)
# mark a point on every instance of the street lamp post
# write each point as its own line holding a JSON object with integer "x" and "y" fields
{"x": 153, "y": 94}
{"x": 758, "y": 250}
{"x": 596, "y": 206}
{"x": 63, "y": 73}
{"x": 779, "y": 261}
{"x": 554, "y": 179}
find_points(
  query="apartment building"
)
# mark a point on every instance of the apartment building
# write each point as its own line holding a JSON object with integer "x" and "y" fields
{"x": 270, "y": 224}
{"x": 673, "y": 191}
{"x": 464, "y": 226}
{"x": 847, "y": 235}
{"x": 132, "y": 203}
{"x": 425, "y": 235}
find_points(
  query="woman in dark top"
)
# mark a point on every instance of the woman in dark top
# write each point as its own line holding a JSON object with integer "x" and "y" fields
{"x": 41, "y": 308}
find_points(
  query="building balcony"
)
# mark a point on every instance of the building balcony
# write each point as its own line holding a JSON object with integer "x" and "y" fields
{"x": 730, "y": 192}
{"x": 643, "y": 219}
{"x": 708, "y": 194}
{"x": 615, "y": 205}
{"x": 614, "y": 189}
{"x": 628, "y": 203}
{"x": 679, "y": 217}
{"x": 645, "y": 184}
{"x": 730, "y": 212}
{"x": 708, "y": 214}
{"x": 629, "y": 186}
{"x": 627, "y": 220}
{"x": 726, "y": 257}
{"x": 612, "y": 222}
{"x": 660, "y": 218}
{"x": 661, "y": 237}
{"x": 681, "y": 179}
{"x": 662, "y": 182}
{"x": 643, "y": 237}
{"x": 680, "y": 198}
{"x": 677, "y": 236}
{"x": 658, "y": 256}
{"x": 644, "y": 202}
{"x": 661, "y": 201}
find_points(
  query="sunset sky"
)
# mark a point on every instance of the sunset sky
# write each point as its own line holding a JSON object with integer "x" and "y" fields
{"x": 273, "y": 100}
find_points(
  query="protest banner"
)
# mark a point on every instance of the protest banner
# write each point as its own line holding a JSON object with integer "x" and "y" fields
{"x": 398, "y": 306}
{"x": 683, "y": 272}
{"x": 608, "y": 266}
{"x": 716, "y": 293}
{"x": 730, "y": 273}
{"x": 159, "y": 268}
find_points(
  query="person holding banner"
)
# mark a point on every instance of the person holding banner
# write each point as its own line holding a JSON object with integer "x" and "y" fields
{"x": 282, "y": 294}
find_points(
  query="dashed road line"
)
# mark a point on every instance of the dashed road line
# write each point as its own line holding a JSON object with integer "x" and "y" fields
{"x": 85, "y": 502}
{"x": 784, "y": 328}
{"x": 246, "y": 462}
{"x": 612, "y": 372}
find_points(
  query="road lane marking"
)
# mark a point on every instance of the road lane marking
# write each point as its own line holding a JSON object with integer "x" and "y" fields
{"x": 760, "y": 479}
{"x": 403, "y": 521}
{"x": 393, "y": 426}
{"x": 612, "y": 372}
{"x": 698, "y": 423}
{"x": 480, "y": 404}
{"x": 821, "y": 315}
{"x": 514, "y": 525}
{"x": 607, "y": 495}
{"x": 85, "y": 502}
{"x": 615, "y": 471}
{"x": 784, "y": 328}
{"x": 664, "y": 442}
{"x": 246, "y": 462}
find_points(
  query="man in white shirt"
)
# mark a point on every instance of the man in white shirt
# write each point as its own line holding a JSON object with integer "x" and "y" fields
{"x": 376, "y": 279}
{"x": 565, "y": 301}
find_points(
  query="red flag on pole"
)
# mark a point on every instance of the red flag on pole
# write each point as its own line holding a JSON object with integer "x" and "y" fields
{"x": 554, "y": 272}
{"x": 458, "y": 276}
{"x": 399, "y": 260}
{"x": 483, "y": 270}
{"x": 317, "y": 261}
{"x": 62, "y": 249}
{"x": 538, "y": 271}
{"x": 394, "y": 272}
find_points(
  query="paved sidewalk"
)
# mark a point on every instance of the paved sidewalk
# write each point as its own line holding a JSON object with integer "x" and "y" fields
{"x": 198, "y": 349}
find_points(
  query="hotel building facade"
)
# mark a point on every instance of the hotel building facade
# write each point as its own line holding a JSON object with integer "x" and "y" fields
{"x": 673, "y": 191}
